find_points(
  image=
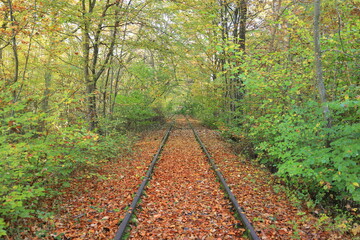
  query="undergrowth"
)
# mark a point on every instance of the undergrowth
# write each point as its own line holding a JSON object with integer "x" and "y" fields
{"x": 34, "y": 168}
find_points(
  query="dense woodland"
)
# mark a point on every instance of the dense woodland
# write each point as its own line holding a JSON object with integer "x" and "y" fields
{"x": 279, "y": 78}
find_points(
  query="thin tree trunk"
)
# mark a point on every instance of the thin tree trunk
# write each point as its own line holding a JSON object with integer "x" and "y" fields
{"x": 116, "y": 91}
{"x": 90, "y": 89}
{"x": 14, "y": 48}
{"x": 46, "y": 93}
{"x": 243, "y": 19}
{"x": 240, "y": 19}
{"x": 105, "y": 90}
{"x": 48, "y": 76}
{"x": 318, "y": 65}
{"x": 93, "y": 69}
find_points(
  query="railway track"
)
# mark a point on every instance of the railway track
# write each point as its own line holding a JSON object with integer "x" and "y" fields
{"x": 181, "y": 129}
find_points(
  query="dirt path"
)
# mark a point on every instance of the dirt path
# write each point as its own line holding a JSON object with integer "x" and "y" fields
{"x": 184, "y": 199}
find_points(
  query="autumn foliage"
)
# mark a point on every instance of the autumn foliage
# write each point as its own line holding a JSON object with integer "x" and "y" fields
{"x": 278, "y": 79}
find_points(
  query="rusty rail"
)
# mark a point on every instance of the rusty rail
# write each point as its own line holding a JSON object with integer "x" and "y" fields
{"x": 250, "y": 229}
{"x": 124, "y": 223}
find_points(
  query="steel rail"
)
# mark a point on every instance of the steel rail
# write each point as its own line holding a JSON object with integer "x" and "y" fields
{"x": 251, "y": 231}
{"x": 124, "y": 223}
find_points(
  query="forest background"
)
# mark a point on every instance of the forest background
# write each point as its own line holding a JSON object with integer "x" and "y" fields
{"x": 280, "y": 78}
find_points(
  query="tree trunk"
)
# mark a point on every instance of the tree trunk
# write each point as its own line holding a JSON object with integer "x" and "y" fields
{"x": 105, "y": 90}
{"x": 14, "y": 48}
{"x": 92, "y": 66}
{"x": 240, "y": 39}
{"x": 46, "y": 93}
{"x": 318, "y": 65}
{"x": 90, "y": 88}
{"x": 116, "y": 89}
{"x": 243, "y": 19}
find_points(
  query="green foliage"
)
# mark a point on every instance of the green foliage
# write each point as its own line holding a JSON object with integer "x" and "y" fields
{"x": 188, "y": 64}
{"x": 3, "y": 226}
{"x": 280, "y": 112}
{"x": 143, "y": 72}
{"x": 290, "y": 136}
{"x": 39, "y": 152}
{"x": 295, "y": 146}
{"x": 203, "y": 110}
{"x": 135, "y": 109}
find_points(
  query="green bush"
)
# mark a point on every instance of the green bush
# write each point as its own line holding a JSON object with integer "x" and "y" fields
{"x": 135, "y": 110}
{"x": 295, "y": 145}
{"x": 34, "y": 161}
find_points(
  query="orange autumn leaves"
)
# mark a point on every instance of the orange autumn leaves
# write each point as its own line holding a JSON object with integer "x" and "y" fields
{"x": 184, "y": 199}
{"x": 271, "y": 212}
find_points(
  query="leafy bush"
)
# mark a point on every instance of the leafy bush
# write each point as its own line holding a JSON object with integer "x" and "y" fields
{"x": 294, "y": 144}
{"x": 35, "y": 160}
{"x": 135, "y": 110}
{"x": 282, "y": 117}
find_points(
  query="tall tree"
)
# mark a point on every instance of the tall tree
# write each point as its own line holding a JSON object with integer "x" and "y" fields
{"x": 232, "y": 22}
{"x": 318, "y": 64}
{"x": 93, "y": 39}
{"x": 13, "y": 43}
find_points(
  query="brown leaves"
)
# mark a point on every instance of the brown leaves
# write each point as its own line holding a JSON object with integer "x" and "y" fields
{"x": 183, "y": 199}
{"x": 93, "y": 207}
{"x": 270, "y": 212}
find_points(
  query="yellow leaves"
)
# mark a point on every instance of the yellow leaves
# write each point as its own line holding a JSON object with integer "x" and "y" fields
{"x": 92, "y": 136}
{"x": 356, "y": 229}
{"x": 326, "y": 185}
{"x": 342, "y": 225}
{"x": 356, "y": 184}
{"x": 96, "y": 137}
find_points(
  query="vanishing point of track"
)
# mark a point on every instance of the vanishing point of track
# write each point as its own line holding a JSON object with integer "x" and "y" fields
{"x": 235, "y": 207}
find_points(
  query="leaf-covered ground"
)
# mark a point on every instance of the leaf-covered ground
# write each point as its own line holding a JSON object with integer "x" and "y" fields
{"x": 183, "y": 200}
{"x": 94, "y": 205}
{"x": 271, "y": 212}
{"x": 97, "y": 211}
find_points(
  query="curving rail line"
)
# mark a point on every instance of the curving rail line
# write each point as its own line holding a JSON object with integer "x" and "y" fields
{"x": 123, "y": 226}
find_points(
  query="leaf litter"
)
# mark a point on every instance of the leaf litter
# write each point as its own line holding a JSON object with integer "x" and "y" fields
{"x": 183, "y": 199}
{"x": 93, "y": 206}
{"x": 271, "y": 212}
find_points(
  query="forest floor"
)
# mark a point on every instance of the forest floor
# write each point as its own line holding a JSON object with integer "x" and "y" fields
{"x": 183, "y": 199}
